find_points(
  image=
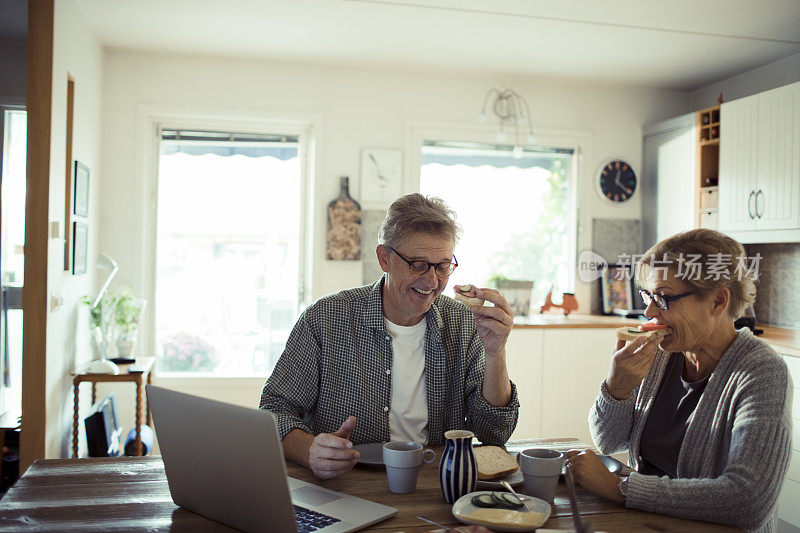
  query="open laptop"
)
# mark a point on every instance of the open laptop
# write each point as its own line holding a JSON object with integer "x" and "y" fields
{"x": 225, "y": 462}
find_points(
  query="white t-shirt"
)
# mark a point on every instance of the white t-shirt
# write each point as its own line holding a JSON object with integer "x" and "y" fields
{"x": 408, "y": 417}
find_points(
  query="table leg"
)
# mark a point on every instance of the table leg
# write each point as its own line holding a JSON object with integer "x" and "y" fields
{"x": 139, "y": 416}
{"x": 147, "y": 401}
{"x": 75, "y": 423}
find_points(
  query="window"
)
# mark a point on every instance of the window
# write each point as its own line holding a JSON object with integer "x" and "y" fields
{"x": 13, "y": 150}
{"x": 229, "y": 241}
{"x": 517, "y": 213}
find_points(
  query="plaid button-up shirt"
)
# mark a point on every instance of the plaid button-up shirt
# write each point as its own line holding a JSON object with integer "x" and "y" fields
{"x": 338, "y": 362}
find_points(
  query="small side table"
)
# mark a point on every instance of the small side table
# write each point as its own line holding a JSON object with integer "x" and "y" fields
{"x": 139, "y": 378}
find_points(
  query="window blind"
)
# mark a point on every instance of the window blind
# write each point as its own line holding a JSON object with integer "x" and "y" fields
{"x": 221, "y": 143}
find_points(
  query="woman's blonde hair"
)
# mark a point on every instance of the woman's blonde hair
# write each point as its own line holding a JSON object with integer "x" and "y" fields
{"x": 706, "y": 260}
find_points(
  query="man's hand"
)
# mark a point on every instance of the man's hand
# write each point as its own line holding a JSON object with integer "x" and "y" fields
{"x": 494, "y": 323}
{"x": 590, "y": 472}
{"x": 332, "y": 454}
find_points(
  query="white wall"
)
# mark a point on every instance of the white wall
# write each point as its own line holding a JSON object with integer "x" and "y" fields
{"x": 776, "y": 74}
{"x": 75, "y": 51}
{"x": 357, "y": 108}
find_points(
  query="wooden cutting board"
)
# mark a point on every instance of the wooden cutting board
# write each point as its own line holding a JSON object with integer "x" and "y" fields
{"x": 344, "y": 226}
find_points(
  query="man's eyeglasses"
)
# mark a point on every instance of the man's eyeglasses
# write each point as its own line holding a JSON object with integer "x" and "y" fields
{"x": 420, "y": 268}
{"x": 662, "y": 300}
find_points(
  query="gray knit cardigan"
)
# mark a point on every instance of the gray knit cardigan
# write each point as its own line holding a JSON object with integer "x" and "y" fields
{"x": 736, "y": 449}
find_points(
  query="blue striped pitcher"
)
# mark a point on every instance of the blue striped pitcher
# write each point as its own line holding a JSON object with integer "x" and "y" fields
{"x": 458, "y": 471}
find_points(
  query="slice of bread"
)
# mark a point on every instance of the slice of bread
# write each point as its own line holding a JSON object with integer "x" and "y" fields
{"x": 628, "y": 333}
{"x": 461, "y": 296}
{"x": 494, "y": 462}
{"x": 468, "y": 301}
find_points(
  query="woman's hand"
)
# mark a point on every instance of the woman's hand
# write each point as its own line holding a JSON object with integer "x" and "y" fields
{"x": 589, "y": 472}
{"x": 629, "y": 365}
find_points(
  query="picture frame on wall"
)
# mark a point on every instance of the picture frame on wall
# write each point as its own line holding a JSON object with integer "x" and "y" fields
{"x": 381, "y": 177}
{"x": 616, "y": 290}
{"x": 80, "y": 205}
{"x": 80, "y": 244}
{"x": 620, "y": 296}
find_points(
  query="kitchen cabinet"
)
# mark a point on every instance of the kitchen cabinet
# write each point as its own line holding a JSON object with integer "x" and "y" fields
{"x": 524, "y": 364}
{"x": 737, "y": 161}
{"x": 558, "y": 374}
{"x": 788, "y": 510}
{"x": 777, "y": 200}
{"x": 708, "y": 127}
{"x": 759, "y": 174}
{"x": 574, "y": 366}
{"x": 709, "y": 219}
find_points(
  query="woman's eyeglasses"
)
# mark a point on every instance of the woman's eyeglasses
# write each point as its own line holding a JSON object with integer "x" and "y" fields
{"x": 420, "y": 268}
{"x": 662, "y": 300}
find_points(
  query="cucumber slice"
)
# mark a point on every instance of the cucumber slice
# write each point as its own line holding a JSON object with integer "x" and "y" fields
{"x": 504, "y": 501}
{"x": 510, "y": 500}
{"x": 498, "y": 498}
{"x": 484, "y": 500}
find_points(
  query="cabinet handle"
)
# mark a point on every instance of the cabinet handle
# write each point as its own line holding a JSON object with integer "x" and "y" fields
{"x": 750, "y": 205}
{"x": 759, "y": 193}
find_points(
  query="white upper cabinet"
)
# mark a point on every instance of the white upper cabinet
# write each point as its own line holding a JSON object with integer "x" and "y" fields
{"x": 777, "y": 201}
{"x": 737, "y": 164}
{"x": 760, "y": 166}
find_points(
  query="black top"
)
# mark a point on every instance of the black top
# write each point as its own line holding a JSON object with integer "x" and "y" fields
{"x": 668, "y": 420}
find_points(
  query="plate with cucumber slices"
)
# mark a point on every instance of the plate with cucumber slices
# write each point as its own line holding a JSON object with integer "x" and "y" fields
{"x": 501, "y": 511}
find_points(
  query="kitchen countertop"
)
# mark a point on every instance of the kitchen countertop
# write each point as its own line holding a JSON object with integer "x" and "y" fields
{"x": 572, "y": 321}
{"x": 784, "y": 340}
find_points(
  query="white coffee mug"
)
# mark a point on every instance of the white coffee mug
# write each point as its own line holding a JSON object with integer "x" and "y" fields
{"x": 403, "y": 460}
{"x": 541, "y": 468}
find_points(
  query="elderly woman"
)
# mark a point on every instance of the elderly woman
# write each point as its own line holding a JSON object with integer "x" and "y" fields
{"x": 705, "y": 415}
{"x": 395, "y": 360}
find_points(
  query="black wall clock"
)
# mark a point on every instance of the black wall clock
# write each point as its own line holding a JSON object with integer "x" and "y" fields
{"x": 616, "y": 181}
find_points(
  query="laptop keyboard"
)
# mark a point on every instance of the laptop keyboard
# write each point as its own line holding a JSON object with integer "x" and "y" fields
{"x": 308, "y": 520}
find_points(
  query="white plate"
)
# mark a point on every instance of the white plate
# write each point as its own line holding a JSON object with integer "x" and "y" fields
{"x": 514, "y": 480}
{"x": 463, "y": 507}
{"x": 370, "y": 454}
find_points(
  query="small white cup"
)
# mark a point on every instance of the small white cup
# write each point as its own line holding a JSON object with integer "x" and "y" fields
{"x": 540, "y": 470}
{"x": 403, "y": 460}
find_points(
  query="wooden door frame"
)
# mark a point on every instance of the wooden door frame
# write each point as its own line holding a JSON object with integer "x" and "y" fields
{"x": 39, "y": 96}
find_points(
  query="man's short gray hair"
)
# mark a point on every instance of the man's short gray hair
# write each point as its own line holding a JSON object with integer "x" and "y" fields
{"x": 415, "y": 213}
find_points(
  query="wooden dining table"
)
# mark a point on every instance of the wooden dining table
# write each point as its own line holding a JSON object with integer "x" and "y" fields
{"x": 131, "y": 494}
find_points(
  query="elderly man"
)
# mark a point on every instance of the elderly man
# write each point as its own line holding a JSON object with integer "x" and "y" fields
{"x": 395, "y": 360}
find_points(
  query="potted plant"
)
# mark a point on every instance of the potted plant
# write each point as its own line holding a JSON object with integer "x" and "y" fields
{"x": 101, "y": 324}
{"x": 517, "y": 292}
{"x": 128, "y": 311}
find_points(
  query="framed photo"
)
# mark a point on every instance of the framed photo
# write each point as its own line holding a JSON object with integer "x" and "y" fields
{"x": 381, "y": 175}
{"x": 80, "y": 205}
{"x": 620, "y": 296}
{"x": 80, "y": 243}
